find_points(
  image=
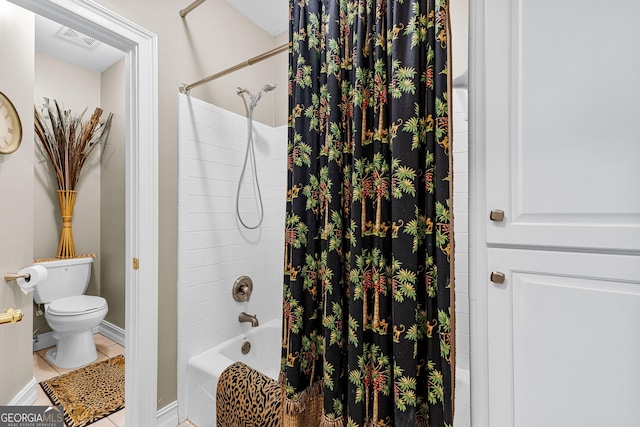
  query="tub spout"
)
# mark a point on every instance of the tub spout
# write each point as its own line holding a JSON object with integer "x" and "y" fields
{"x": 244, "y": 317}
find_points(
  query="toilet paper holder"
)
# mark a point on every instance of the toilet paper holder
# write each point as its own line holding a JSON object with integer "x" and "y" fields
{"x": 12, "y": 276}
{"x": 27, "y": 278}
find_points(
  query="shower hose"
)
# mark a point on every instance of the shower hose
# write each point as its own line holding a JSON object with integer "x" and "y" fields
{"x": 250, "y": 154}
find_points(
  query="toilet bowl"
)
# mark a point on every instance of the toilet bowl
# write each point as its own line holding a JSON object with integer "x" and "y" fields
{"x": 72, "y": 320}
{"x": 70, "y": 314}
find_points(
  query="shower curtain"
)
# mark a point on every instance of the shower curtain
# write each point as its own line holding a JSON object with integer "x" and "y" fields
{"x": 368, "y": 307}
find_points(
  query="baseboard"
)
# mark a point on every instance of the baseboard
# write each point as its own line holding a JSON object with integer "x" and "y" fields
{"x": 44, "y": 340}
{"x": 168, "y": 416}
{"x": 27, "y": 395}
{"x": 111, "y": 331}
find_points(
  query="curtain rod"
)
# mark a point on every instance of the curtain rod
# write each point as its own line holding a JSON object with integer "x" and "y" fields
{"x": 185, "y": 88}
{"x": 186, "y": 10}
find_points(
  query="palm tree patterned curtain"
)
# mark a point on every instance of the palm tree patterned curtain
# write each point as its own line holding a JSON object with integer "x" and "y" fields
{"x": 368, "y": 312}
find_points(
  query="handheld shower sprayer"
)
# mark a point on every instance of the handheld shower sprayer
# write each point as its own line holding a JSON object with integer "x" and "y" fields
{"x": 255, "y": 98}
{"x": 250, "y": 153}
{"x": 266, "y": 88}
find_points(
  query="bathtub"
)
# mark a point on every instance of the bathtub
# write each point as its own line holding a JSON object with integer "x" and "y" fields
{"x": 462, "y": 415}
{"x": 204, "y": 370}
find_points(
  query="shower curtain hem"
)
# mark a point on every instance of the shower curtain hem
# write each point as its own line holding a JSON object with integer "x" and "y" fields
{"x": 297, "y": 406}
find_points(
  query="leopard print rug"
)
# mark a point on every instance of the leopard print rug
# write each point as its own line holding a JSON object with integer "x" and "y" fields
{"x": 89, "y": 393}
{"x": 248, "y": 398}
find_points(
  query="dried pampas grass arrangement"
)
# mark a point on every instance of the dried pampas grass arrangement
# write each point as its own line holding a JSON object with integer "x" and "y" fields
{"x": 68, "y": 140}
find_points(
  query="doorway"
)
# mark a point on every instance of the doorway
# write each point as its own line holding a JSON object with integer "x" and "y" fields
{"x": 141, "y": 189}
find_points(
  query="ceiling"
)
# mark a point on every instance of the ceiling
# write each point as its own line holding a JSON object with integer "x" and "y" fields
{"x": 270, "y": 15}
{"x": 71, "y": 46}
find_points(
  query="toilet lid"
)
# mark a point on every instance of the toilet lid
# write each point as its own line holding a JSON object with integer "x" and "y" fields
{"x": 80, "y": 304}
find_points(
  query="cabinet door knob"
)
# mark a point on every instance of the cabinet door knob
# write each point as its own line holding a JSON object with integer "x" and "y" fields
{"x": 497, "y": 277}
{"x": 496, "y": 215}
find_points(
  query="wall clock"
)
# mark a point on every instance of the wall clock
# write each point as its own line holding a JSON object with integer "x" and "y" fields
{"x": 10, "y": 126}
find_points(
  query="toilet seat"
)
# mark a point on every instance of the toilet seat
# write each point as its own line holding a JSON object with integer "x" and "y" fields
{"x": 79, "y": 304}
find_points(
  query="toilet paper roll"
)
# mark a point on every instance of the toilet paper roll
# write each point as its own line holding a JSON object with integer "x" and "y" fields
{"x": 37, "y": 273}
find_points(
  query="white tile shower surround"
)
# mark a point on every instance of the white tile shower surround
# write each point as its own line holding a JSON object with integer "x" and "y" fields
{"x": 461, "y": 233}
{"x": 461, "y": 224}
{"x": 213, "y": 249}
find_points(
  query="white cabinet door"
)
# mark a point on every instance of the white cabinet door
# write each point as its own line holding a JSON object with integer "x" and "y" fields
{"x": 564, "y": 339}
{"x": 563, "y": 123}
{"x": 562, "y": 140}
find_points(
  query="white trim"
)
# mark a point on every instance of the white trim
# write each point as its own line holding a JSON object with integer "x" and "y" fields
{"x": 478, "y": 316}
{"x": 109, "y": 330}
{"x": 44, "y": 340}
{"x": 113, "y": 332}
{"x": 27, "y": 395}
{"x": 141, "y": 221}
{"x": 168, "y": 416}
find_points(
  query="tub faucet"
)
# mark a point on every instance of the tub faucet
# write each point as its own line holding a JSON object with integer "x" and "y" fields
{"x": 244, "y": 317}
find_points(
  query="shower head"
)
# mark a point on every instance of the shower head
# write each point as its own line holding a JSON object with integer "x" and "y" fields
{"x": 269, "y": 86}
{"x": 266, "y": 88}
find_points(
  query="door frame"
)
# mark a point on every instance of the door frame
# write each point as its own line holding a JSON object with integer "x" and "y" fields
{"x": 141, "y": 189}
{"x": 478, "y": 214}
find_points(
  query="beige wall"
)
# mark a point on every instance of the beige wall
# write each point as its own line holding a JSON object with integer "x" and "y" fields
{"x": 112, "y": 196}
{"x": 211, "y": 38}
{"x": 459, "y": 11}
{"x": 280, "y": 77}
{"x": 75, "y": 88}
{"x": 98, "y": 220}
{"x": 16, "y": 194}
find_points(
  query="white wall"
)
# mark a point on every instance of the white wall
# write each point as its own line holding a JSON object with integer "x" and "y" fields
{"x": 213, "y": 249}
{"x": 461, "y": 223}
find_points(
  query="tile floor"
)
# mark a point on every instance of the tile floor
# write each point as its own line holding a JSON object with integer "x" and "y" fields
{"x": 43, "y": 370}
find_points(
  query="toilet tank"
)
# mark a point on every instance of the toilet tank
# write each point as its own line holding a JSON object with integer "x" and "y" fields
{"x": 65, "y": 278}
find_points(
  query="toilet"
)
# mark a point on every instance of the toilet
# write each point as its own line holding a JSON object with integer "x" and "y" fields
{"x": 70, "y": 314}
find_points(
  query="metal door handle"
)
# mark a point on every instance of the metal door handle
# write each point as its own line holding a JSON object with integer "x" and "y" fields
{"x": 496, "y": 215}
{"x": 10, "y": 315}
{"x": 498, "y": 277}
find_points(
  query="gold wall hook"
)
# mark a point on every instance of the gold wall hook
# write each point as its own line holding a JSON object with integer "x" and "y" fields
{"x": 10, "y": 315}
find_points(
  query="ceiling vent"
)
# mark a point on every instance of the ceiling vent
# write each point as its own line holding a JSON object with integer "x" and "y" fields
{"x": 78, "y": 38}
